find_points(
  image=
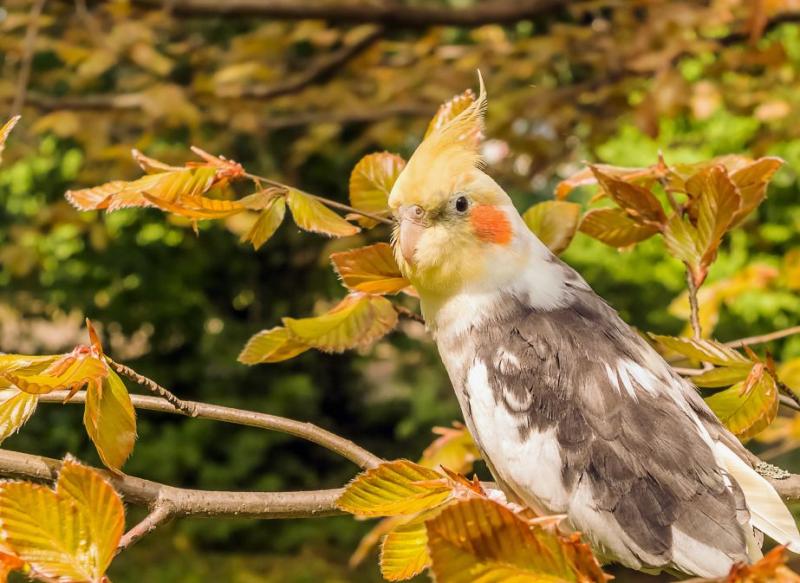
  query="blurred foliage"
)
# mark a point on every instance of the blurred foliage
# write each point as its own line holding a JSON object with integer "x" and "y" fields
{"x": 602, "y": 81}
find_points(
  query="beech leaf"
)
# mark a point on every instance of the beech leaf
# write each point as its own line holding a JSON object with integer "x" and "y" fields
{"x": 752, "y": 181}
{"x": 267, "y": 223}
{"x": 371, "y": 181}
{"x": 311, "y": 215}
{"x": 638, "y": 202}
{"x": 110, "y": 420}
{"x": 612, "y": 226}
{"x": 5, "y": 131}
{"x": 747, "y": 410}
{"x": 371, "y": 269}
{"x": 69, "y": 371}
{"x": 555, "y": 222}
{"x": 272, "y": 345}
{"x": 704, "y": 350}
{"x": 16, "y": 407}
{"x": 404, "y": 551}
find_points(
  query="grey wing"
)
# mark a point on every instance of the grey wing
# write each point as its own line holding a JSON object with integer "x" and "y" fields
{"x": 632, "y": 449}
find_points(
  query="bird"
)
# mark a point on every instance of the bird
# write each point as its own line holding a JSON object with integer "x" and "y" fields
{"x": 574, "y": 412}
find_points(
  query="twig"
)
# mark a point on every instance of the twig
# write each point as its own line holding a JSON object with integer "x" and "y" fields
{"x": 322, "y": 199}
{"x": 411, "y": 315}
{"x": 695, "y": 308}
{"x": 183, "y": 406}
{"x": 308, "y": 431}
{"x": 688, "y": 372}
{"x": 762, "y": 338}
{"x": 162, "y": 511}
{"x": 28, "y": 49}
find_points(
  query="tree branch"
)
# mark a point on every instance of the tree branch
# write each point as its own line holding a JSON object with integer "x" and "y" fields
{"x": 184, "y": 501}
{"x": 308, "y": 431}
{"x": 386, "y": 13}
{"x": 161, "y": 513}
{"x": 762, "y": 338}
{"x": 694, "y": 306}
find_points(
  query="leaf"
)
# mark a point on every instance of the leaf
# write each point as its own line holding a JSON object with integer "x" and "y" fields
{"x": 371, "y": 182}
{"x": 357, "y": 321}
{"x": 70, "y": 534}
{"x": 612, "y": 226}
{"x": 771, "y": 568}
{"x": 404, "y": 551}
{"x": 450, "y": 110}
{"x": 747, "y": 412}
{"x": 704, "y": 350}
{"x": 110, "y": 420}
{"x": 70, "y": 371}
{"x": 5, "y": 131}
{"x": 16, "y": 407}
{"x": 267, "y": 223}
{"x": 638, "y": 202}
{"x": 454, "y": 449}
{"x": 9, "y": 563}
{"x": 311, "y": 215}
{"x": 720, "y": 377}
{"x": 166, "y": 186}
{"x": 371, "y": 269}
{"x": 587, "y": 176}
{"x": 272, "y": 345}
{"x": 393, "y": 488}
{"x": 481, "y": 540}
{"x": 752, "y": 181}
{"x": 151, "y": 165}
{"x": 555, "y": 222}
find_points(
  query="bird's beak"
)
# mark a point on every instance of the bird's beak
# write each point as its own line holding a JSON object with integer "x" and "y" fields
{"x": 411, "y": 229}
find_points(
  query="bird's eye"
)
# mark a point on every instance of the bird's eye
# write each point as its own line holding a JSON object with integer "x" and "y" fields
{"x": 462, "y": 204}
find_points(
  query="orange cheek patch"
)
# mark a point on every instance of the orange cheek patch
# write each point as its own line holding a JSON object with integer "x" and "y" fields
{"x": 491, "y": 224}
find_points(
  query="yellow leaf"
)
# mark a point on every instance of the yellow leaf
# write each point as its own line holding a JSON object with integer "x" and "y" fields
{"x": 311, "y": 215}
{"x": 747, "y": 412}
{"x": 272, "y": 345}
{"x": 404, "y": 551}
{"x": 70, "y": 534}
{"x": 704, "y": 350}
{"x": 5, "y": 131}
{"x": 151, "y": 165}
{"x": 720, "y": 377}
{"x": 454, "y": 449}
{"x": 357, "y": 321}
{"x": 9, "y": 563}
{"x": 450, "y": 110}
{"x": 554, "y": 222}
{"x": 481, "y": 540}
{"x": 371, "y": 269}
{"x": 393, "y": 488}
{"x": 110, "y": 420}
{"x": 771, "y": 568}
{"x": 371, "y": 182}
{"x": 613, "y": 227}
{"x": 16, "y": 407}
{"x": 70, "y": 371}
{"x": 267, "y": 223}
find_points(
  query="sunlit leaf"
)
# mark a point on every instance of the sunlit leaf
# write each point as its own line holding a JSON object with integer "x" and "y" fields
{"x": 789, "y": 374}
{"x": 404, "y": 551}
{"x": 613, "y": 227}
{"x": 16, "y": 407}
{"x": 371, "y": 269}
{"x": 454, "y": 449}
{"x": 371, "y": 182}
{"x": 586, "y": 176}
{"x": 9, "y": 563}
{"x": 747, "y": 412}
{"x": 70, "y": 371}
{"x": 151, "y": 165}
{"x": 771, "y": 568}
{"x": 311, "y": 215}
{"x": 393, "y": 488}
{"x": 555, "y": 222}
{"x": 481, "y": 540}
{"x": 357, "y": 321}
{"x": 110, "y": 420}
{"x": 70, "y": 533}
{"x": 450, "y": 110}
{"x": 752, "y": 181}
{"x": 267, "y": 223}
{"x": 5, "y": 131}
{"x": 704, "y": 350}
{"x": 638, "y": 202}
{"x": 720, "y": 377}
{"x": 272, "y": 345}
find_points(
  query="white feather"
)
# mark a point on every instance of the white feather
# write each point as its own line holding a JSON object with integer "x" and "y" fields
{"x": 768, "y": 512}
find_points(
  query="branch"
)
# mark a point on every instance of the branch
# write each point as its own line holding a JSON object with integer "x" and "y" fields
{"x": 26, "y": 63}
{"x": 161, "y": 513}
{"x": 761, "y": 339}
{"x": 390, "y": 14}
{"x": 184, "y": 501}
{"x": 694, "y": 306}
{"x": 308, "y": 431}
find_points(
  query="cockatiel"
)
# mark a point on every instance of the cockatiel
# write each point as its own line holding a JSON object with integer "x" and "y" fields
{"x": 572, "y": 410}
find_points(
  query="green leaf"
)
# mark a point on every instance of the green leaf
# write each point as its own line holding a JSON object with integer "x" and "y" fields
{"x": 612, "y": 226}
{"x": 16, "y": 407}
{"x": 393, "y": 488}
{"x": 747, "y": 412}
{"x": 357, "y": 321}
{"x": 638, "y": 202}
{"x": 371, "y": 182}
{"x": 273, "y": 345}
{"x": 720, "y": 377}
{"x": 267, "y": 223}
{"x": 110, "y": 420}
{"x": 371, "y": 269}
{"x": 554, "y": 222}
{"x": 311, "y": 215}
{"x": 704, "y": 350}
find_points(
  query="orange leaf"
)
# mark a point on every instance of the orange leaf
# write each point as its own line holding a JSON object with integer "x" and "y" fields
{"x": 638, "y": 202}
{"x": 371, "y": 182}
{"x": 371, "y": 269}
{"x": 613, "y": 227}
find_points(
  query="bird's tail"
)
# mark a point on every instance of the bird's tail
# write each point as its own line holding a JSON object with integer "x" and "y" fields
{"x": 768, "y": 513}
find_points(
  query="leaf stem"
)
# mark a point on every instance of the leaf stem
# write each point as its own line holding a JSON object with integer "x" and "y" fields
{"x": 694, "y": 306}
{"x": 411, "y": 315}
{"x": 326, "y": 201}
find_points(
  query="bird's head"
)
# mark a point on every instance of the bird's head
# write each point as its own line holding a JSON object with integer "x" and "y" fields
{"x": 455, "y": 225}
